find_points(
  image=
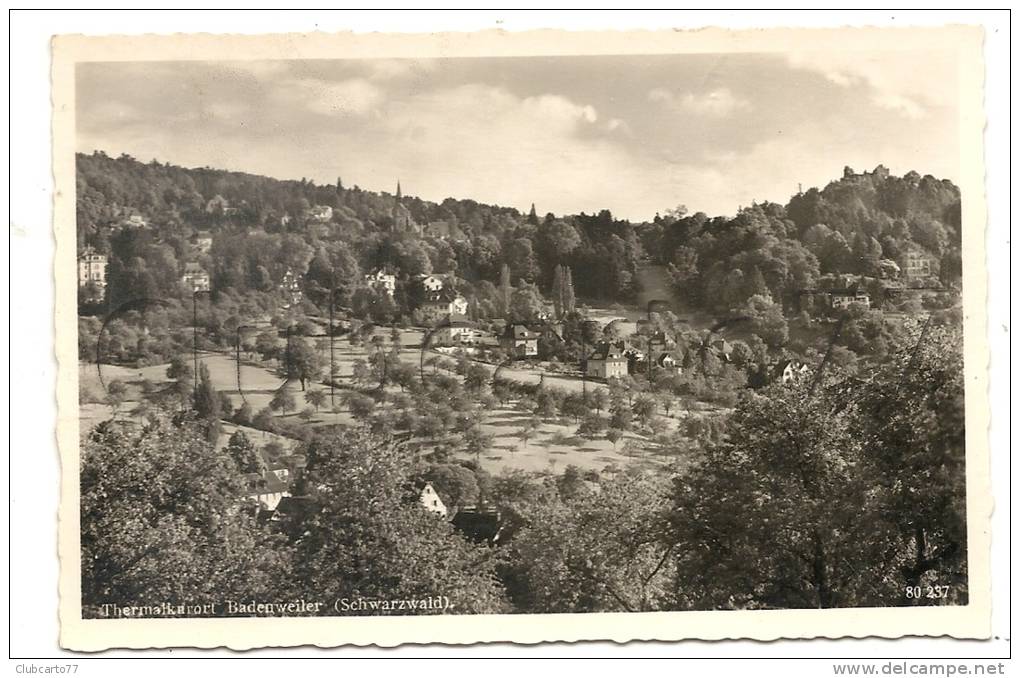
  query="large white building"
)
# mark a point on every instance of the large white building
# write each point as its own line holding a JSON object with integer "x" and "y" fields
{"x": 290, "y": 287}
{"x": 606, "y": 362}
{"x": 92, "y": 269}
{"x": 916, "y": 265}
{"x": 440, "y": 304}
{"x": 195, "y": 277}
{"x": 381, "y": 281}
{"x": 459, "y": 332}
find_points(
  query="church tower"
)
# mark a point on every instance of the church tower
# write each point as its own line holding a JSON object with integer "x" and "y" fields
{"x": 402, "y": 221}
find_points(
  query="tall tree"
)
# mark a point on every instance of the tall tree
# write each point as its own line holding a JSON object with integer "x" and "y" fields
{"x": 505, "y": 290}
{"x": 242, "y": 450}
{"x": 557, "y": 291}
{"x": 912, "y": 419}
{"x": 302, "y": 362}
{"x": 283, "y": 401}
{"x": 162, "y": 519}
{"x": 526, "y": 303}
{"x": 595, "y": 552}
{"x": 397, "y": 550}
{"x": 569, "y": 302}
{"x": 207, "y": 404}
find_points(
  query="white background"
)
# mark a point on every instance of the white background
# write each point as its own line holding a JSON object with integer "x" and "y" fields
{"x": 34, "y": 468}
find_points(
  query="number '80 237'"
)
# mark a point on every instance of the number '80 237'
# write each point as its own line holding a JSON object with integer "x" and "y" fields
{"x": 933, "y": 592}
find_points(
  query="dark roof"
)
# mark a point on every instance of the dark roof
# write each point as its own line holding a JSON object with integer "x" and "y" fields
{"x": 661, "y": 359}
{"x": 606, "y": 352}
{"x": 267, "y": 484}
{"x": 443, "y": 296}
{"x": 458, "y": 320}
{"x": 296, "y": 507}
{"x": 519, "y": 331}
{"x": 480, "y": 525}
{"x": 722, "y": 346}
{"x": 629, "y": 350}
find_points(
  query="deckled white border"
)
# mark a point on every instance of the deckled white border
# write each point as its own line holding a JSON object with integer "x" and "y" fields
{"x": 971, "y": 621}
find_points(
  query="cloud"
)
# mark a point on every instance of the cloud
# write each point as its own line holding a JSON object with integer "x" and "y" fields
{"x": 352, "y": 97}
{"x": 560, "y": 109}
{"x": 479, "y": 134}
{"x": 909, "y": 84}
{"x": 719, "y": 102}
{"x": 391, "y": 69}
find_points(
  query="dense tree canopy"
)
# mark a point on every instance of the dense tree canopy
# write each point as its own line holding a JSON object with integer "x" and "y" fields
{"x": 370, "y": 538}
{"x": 163, "y": 519}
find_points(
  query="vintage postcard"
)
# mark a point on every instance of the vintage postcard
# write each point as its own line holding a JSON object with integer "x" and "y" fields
{"x": 548, "y": 336}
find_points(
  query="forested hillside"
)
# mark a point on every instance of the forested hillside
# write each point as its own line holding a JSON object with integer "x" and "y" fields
{"x": 261, "y": 229}
{"x": 849, "y": 227}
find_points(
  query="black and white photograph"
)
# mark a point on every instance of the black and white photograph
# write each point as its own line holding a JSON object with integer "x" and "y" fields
{"x": 508, "y": 335}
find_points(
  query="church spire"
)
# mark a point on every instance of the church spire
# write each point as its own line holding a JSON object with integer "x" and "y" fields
{"x": 399, "y": 194}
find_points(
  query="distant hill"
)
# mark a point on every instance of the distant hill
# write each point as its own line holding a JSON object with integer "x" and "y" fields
{"x": 169, "y": 196}
{"x": 854, "y": 225}
{"x": 262, "y": 228}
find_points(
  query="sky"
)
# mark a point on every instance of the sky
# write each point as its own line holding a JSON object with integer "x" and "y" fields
{"x": 637, "y": 135}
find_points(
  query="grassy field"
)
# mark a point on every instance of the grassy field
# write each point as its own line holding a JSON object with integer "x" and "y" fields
{"x": 551, "y": 448}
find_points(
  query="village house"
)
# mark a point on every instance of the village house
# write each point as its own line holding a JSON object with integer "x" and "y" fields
{"x": 135, "y": 221}
{"x": 430, "y": 499}
{"x": 320, "y": 213}
{"x": 480, "y": 524}
{"x": 658, "y": 343}
{"x": 819, "y": 302}
{"x": 842, "y": 299}
{"x": 459, "y": 331}
{"x": 606, "y": 362}
{"x": 430, "y": 283}
{"x": 202, "y": 242}
{"x": 667, "y": 362}
{"x": 634, "y": 355}
{"x": 442, "y": 230}
{"x": 195, "y": 277}
{"x": 381, "y": 281}
{"x": 271, "y": 488}
{"x": 266, "y": 490}
{"x": 217, "y": 204}
{"x": 519, "y": 341}
{"x": 290, "y": 287}
{"x": 92, "y": 274}
{"x": 788, "y": 371}
{"x": 438, "y": 305}
{"x": 722, "y": 349}
{"x": 916, "y": 265}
